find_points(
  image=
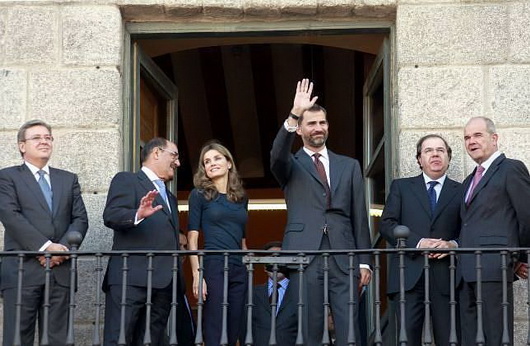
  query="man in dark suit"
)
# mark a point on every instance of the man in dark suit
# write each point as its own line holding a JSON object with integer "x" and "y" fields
{"x": 433, "y": 216}
{"x": 144, "y": 216}
{"x": 39, "y": 206}
{"x": 494, "y": 213}
{"x": 326, "y": 209}
{"x": 286, "y": 315}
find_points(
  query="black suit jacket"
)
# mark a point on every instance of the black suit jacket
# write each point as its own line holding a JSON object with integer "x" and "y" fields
{"x": 29, "y": 223}
{"x": 408, "y": 204}
{"x": 157, "y": 232}
{"x": 498, "y": 215}
{"x": 286, "y": 318}
{"x": 307, "y": 210}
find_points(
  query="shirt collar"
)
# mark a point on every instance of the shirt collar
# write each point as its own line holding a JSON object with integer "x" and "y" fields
{"x": 283, "y": 283}
{"x": 150, "y": 174}
{"x": 34, "y": 169}
{"x": 323, "y": 153}
{"x": 440, "y": 180}
{"x": 486, "y": 164}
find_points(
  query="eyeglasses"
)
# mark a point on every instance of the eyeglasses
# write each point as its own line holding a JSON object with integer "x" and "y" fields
{"x": 48, "y": 139}
{"x": 430, "y": 151}
{"x": 173, "y": 154}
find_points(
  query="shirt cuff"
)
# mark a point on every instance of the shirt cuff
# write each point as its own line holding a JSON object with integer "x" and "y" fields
{"x": 136, "y": 221}
{"x": 45, "y": 246}
{"x": 365, "y": 266}
{"x": 288, "y": 127}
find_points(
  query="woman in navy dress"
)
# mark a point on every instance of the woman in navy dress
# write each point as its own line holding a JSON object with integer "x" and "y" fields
{"x": 218, "y": 211}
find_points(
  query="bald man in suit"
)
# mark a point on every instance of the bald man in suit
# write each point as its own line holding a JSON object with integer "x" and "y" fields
{"x": 495, "y": 213}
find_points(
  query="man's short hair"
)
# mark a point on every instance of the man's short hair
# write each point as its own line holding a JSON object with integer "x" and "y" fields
{"x": 157, "y": 142}
{"x": 21, "y": 135}
{"x": 313, "y": 109}
{"x": 490, "y": 125}
{"x": 424, "y": 138}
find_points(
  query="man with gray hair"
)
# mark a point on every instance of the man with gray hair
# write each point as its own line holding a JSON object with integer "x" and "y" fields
{"x": 39, "y": 207}
{"x": 494, "y": 213}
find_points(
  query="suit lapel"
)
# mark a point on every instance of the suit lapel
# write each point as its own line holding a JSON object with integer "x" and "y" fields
{"x": 307, "y": 163}
{"x": 285, "y": 300}
{"x": 30, "y": 181}
{"x": 174, "y": 209}
{"x": 57, "y": 185}
{"x": 449, "y": 189}
{"x": 262, "y": 298}
{"x": 486, "y": 178}
{"x": 336, "y": 167}
{"x": 149, "y": 186}
{"x": 420, "y": 191}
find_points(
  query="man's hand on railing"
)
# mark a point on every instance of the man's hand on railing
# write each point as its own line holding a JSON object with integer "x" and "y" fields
{"x": 432, "y": 243}
{"x": 54, "y": 260}
{"x": 196, "y": 288}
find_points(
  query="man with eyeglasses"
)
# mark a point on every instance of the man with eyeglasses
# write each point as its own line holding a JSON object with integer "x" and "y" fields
{"x": 144, "y": 216}
{"x": 39, "y": 206}
{"x": 429, "y": 205}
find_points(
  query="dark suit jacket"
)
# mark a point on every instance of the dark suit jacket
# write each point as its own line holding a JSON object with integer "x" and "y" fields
{"x": 160, "y": 231}
{"x": 408, "y": 204}
{"x": 498, "y": 215}
{"x": 29, "y": 223}
{"x": 307, "y": 210}
{"x": 286, "y": 318}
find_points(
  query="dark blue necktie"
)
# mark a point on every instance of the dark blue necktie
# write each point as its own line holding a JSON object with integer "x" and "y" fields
{"x": 432, "y": 195}
{"x": 45, "y": 187}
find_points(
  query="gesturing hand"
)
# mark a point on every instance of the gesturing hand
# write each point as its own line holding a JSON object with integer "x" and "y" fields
{"x": 146, "y": 208}
{"x": 302, "y": 98}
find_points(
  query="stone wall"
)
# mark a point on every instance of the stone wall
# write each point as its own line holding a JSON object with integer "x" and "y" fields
{"x": 61, "y": 61}
{"x": 455, "y": 60}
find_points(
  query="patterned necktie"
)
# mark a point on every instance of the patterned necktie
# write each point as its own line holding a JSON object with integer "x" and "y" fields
{"x": 323, "y": 178}
{"x": 162, "y": 190}
{"x": 476, "y": 179}
{"x": 432, "y": 195}
{"x": 45, "y": 187}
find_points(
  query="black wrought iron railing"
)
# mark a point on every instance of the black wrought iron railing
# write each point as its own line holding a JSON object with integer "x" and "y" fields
{"x": 296, "y": 261}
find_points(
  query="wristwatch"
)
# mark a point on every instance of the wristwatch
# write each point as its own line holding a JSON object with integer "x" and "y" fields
{"x": 294, "y": 116}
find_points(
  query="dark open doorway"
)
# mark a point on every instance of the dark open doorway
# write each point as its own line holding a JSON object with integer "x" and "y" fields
{"x": 238, "y": 88}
